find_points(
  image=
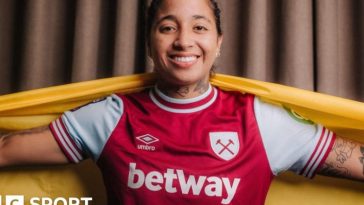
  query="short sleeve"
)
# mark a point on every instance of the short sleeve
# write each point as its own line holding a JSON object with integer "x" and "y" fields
{"x": 291, "y": 142}
{"x": 83, "y": 132}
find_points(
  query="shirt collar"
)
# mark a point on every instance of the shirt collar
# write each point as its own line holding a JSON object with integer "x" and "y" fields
{"x": 183, "y": 105}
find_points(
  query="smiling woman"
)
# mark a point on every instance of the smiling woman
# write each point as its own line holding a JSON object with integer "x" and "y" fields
{"x": 184, "y": 41}
{"x": 184, "y": 141}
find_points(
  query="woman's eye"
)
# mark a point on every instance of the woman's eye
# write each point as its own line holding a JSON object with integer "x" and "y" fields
{"x": 167, "y": 29}
{"x": 200, "y": 28}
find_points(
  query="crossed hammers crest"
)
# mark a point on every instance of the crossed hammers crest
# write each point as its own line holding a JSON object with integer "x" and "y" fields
{"x": 225, "y": 147}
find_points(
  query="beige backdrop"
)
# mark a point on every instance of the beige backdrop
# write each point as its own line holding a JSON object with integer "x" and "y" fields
{"x": 311, "y": 44}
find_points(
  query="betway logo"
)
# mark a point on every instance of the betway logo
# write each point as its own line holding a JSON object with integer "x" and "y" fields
{"x": 155, "y": 181}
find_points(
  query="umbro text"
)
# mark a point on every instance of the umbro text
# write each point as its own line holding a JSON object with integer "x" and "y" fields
{"x": 146, "y": 147}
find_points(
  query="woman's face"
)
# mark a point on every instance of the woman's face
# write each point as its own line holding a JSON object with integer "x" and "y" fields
{"x": 184, "y": 41}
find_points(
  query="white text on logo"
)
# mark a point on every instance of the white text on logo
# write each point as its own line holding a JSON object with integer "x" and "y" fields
{"x": 212, "y": 186}
{"x": 19, "y": 200}
{"x": 14, "y": 200}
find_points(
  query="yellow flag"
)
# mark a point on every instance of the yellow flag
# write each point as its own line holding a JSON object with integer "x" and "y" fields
{"x": 39, "y": 107}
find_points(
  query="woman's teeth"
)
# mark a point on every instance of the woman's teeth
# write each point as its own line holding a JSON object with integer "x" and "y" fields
{"x": 185, "y": 59}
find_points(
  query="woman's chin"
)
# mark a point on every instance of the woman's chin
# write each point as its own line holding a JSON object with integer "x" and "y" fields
{"x": 185, "y": 80}
{"x": 182, "y": 77}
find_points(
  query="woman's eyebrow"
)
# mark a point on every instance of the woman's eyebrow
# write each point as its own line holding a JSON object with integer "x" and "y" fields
{"x": 168, "y": 17}
{"x": 174, "y": 18}
{"x": 196, "y": 17}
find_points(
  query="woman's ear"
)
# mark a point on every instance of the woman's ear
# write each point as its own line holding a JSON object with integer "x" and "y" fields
{"x": 218, "y": 53}
{"x": 219, "y": 42}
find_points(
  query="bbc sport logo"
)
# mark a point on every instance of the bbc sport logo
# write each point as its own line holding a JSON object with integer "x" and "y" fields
{"x": 19, "y": 200}
{"x": 13, "y": 200}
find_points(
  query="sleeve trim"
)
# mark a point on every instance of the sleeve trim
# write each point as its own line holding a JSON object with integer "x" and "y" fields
{"x": 70, "y": 149}
{"x": 319, "y": 154}
{"x": 326, "y": 154}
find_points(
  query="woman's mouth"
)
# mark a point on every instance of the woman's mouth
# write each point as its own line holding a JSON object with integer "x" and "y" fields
{"x": 183, "y": 61}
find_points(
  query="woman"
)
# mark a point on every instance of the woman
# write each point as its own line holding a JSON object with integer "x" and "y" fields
{"x": 184, "y": 141}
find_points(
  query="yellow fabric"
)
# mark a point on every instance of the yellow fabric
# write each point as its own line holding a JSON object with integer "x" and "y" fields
{"x": 38, "y": 107}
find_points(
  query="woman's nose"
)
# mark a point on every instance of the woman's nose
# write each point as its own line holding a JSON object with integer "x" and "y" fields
{"x": 184, "y": 40}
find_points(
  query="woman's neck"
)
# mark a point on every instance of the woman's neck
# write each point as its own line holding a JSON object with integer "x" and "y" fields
{"x": 183, "y": 91}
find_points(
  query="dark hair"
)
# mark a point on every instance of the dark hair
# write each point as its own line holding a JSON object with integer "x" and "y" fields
{"x": 154, "y": 6}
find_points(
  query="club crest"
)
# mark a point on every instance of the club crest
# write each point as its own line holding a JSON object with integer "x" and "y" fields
{"x": 225, "y": 144}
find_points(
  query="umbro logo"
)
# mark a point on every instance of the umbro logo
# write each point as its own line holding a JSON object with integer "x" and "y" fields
{"x": 147, "y": 139}
{"x": 147, "y": 142}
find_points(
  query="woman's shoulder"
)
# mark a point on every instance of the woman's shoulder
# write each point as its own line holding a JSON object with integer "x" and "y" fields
{"x": 228, "y": 93}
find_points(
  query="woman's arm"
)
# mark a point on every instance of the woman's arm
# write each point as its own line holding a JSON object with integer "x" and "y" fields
{"x": 346, "y": 160}
{"x": 34, "y": 146}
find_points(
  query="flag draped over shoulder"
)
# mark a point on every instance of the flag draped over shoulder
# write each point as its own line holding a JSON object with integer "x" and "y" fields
{"x": 39, "y": 107}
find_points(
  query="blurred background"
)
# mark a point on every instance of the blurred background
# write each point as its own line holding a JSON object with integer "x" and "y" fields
{"x": 311, "y": 44}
